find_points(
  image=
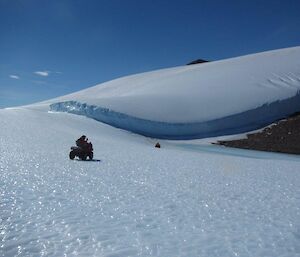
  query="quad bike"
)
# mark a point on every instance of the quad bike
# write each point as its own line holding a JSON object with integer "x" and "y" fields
{"x": 82, "y": 153}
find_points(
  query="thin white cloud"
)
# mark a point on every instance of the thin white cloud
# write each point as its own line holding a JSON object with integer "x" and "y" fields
{"x": 42, "y": 73}
{"x": 46, "y": 73}
{"x": 14, "y": 77}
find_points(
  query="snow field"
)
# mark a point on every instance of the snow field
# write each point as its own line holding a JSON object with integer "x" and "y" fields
{"x": 138, "y": 200}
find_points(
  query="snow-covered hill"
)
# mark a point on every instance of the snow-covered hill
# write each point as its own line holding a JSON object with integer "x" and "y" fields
{"x": 211, "y": 99}
{"x": 187, "y": 198}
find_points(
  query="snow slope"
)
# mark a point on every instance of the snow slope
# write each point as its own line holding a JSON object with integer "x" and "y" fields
{"x": 211, "y": 99}
{"x": 184, "y": 199}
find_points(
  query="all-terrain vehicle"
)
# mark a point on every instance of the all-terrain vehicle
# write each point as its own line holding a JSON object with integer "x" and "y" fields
{"x": 82, "y": 152}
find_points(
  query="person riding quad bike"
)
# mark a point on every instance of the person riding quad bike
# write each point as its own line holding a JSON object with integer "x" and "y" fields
{"x": 82, "y": 141}
{"x": 83, "y": 149}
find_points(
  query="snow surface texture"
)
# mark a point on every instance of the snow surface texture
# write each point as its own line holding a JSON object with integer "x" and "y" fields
{"x": 183, "y": 199}
{"x": 211, "y": 99}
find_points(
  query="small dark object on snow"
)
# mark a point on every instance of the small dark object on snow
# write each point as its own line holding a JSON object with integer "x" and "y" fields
{"x": 157, "y": 145}
{"x": 83, "y": 149}
{"x": 197, "y": 61}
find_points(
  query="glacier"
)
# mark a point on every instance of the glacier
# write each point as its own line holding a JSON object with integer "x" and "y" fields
{"x": 185, "y": 199}
{"x": 188, "y": 198}
{"x": 234, "y": 124}
{"x": 204, "y": 100}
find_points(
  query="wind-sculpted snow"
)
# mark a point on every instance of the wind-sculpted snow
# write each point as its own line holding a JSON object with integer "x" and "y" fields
{"x": 238, "y": 123}
{"x": 211, "y": 99}
{"x": 139, "y": 200}
{"x": 199, "y": 93}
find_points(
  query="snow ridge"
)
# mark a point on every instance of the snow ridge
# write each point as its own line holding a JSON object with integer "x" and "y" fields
{"x": 237, "y": 123}
{"x": 206, "y": 100}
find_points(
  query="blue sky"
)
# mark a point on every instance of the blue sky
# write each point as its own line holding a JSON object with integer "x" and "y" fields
{"x": 51, "y": 48}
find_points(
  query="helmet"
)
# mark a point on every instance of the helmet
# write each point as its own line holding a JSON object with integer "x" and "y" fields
{"x": 83, "y": 137}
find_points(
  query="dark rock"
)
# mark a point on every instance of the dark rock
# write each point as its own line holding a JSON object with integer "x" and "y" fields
{"x": 197, "y": 61}
{"x": 282, "y": 136}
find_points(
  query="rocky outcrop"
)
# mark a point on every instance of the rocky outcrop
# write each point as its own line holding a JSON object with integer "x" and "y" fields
{"x": 282, "y": 136}
{"x": 197, "y": 61}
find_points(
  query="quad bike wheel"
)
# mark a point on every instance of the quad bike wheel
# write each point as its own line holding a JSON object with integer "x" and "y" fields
{"x": 91, "y": 155}
{"x": 72, "y": 155}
